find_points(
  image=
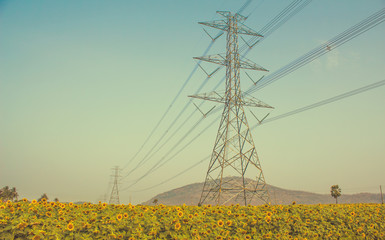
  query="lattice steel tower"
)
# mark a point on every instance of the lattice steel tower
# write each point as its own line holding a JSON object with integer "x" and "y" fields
{"x": 114, "y": 198}
{"x": 234, "y": 151}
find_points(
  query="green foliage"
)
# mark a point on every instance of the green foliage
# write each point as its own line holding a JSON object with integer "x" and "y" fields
{"x": 335, "y": 191}
{"x": 44, "y": 196}
{"x": 7, "y": 193}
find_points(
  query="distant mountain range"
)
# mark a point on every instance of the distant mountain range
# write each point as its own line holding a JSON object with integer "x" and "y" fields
{"x": 190, "y": 195}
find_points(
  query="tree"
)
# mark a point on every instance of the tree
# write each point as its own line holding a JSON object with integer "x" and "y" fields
{"x": 7, "y": 193}
{"x": 155, "y": 201}
{"x": 14, "y": 194}
{"x": 335, "y": 191}
{"x": 43, "y": 196}
{"x": 56, "y": 200}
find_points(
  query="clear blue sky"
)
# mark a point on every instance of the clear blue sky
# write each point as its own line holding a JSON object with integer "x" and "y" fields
{"x": 83, "y": 83}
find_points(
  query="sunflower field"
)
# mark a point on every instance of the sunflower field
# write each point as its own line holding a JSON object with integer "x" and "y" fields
{"x": 55, "y": 220}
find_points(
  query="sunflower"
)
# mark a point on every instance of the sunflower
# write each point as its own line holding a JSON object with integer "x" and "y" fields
{"x": 70, "y": 227}
{"x": 22, "y": 225}
{"x": 36, "y": 237}
{"x": 267, "y": 236}
{"x": 177, "y": 226}
{"x": 48, "y": 214}
{"x": 219, "y": 237}
{"x": 125, "y": 215}
{"x": 119, "y": 217}
{"x": 229, "y": 223}
{"x": 247, "y": 237}
{"x": 34, "y": 202}
{"x": 180, "y": 214}
{"x": 229, "y": 212}
{"x": 220, "y": 223}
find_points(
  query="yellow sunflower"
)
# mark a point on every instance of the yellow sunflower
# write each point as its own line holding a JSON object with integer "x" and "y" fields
{"x": 220, "y": 223}
{"x": 70, "y": 227}
{"x": 177, "y": 226}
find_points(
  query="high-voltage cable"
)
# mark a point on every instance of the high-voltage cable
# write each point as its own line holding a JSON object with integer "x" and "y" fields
{"x": 244, "y": 6}
{"x": 324, "y": 48}
{"x": 324, "y": 102}
{"x": 319, "y": 51}
{"x": 291, "y": 10}
{"x": 176, "y": 97}
{"x": 347, "y": 35}
{"x": 163, "y": 160}
{"x": 287, "y": 114}
{"x": 168, "y": 109}
{"x": 149, "y": 153}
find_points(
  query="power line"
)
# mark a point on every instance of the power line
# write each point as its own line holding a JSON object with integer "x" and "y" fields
{"x": 149, "y": 155}
{"x": 324, "y": 102}
{"x": 347, "y": 35}
{"x": 287, "y": 114}
{"x": 168, "y": 109}
{"x": 150, "y": 152}
{"x": 174, "y": 100}
{"x": 163, "y": 160}
{"x": 324, "y": 48}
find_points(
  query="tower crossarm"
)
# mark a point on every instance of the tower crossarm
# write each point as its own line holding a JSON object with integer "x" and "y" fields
{"x": 221, "y": 60}
{"x": 223, "y": 25}
{"x": 226, "y": 14}
{"x": 221, "y": 98}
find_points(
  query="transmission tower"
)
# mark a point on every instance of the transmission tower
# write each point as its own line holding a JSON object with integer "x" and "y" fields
{"x": 234, "y": 151}
{"x": 114, "y": 198}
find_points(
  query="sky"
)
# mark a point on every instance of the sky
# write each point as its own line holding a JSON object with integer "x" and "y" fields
{"x": 84, "y": 83}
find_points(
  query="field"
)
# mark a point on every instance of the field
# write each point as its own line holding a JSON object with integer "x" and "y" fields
{"x": 54, "y": 220}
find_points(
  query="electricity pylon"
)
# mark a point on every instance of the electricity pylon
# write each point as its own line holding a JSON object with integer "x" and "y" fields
{"x": 114, "y": 198}
{"x": 234, "y": 151}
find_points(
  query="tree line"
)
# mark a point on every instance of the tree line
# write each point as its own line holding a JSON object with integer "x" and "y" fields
{"x": 7, "y": 193}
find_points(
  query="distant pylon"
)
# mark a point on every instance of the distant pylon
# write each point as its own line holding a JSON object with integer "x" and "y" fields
{"x": 234, "y": 149}
{"x": 114, "y": 198}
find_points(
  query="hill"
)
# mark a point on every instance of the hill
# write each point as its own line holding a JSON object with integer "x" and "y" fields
{"x": 190, "y": 194}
